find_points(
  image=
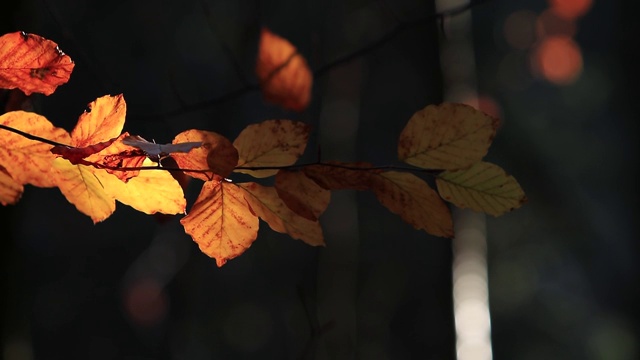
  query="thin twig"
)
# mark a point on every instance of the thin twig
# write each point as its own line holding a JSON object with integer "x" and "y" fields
{"x": 30, "y": 136}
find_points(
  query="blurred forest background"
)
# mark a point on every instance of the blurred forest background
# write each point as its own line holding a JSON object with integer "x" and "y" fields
{"x": 563, "y": 274}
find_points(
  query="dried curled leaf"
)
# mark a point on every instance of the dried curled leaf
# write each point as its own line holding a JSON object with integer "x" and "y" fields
{"x": 32, "y": 63}
{"x": 76, "y": 155}
{"x": 10, "y": 190}
{"x": 29, "y": 161}
{"x": 301, "y": 194}
{"x": 266, "y": 203}
{"x": 446, "y": 137}
{"x": 270, "y": 143}
{"x": 158, "y": 151}
{"x": 216, "y": 154}
{"x": 483, "y": 187}
{"x": 221, "y": 222}
{"x": 285, "y": 77}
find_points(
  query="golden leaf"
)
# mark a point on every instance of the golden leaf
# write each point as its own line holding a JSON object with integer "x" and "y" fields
{"x": 103, "y": 121}
{"x": 483, "y": 187}
{"x": 221, "y": 222}
{"x": 32, "y": 63}
{"x": 446, "y": 137}
{"x": 285, "y": 78}
{"x": 266, "y": 203}
{"x": 270, "y": 143}
{"x": 216, "y": 154}
{"x": 29, "y": 161}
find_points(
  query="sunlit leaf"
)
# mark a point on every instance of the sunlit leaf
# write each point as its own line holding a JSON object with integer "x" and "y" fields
{"x": 446, "y": 137}
{"x": 221, "y": 222}
{"x": 216, "y": 154}
{"x": 483, "y": 187}
{"x": 338, "y": 176}
{"x": 270, "y": 143}
{"x": 81, "y": 187}
{"x": 32, "y": 63}
{"x": 76, "y": 155}
{"x": 29, "y": 161}
{"x": 118, "y": 156}
{"x": 10, "y": 190}
{"x": 301, "y": 194}
{"x": 103, "y": 122}
{"x": 415, "y": 201}
{"x": 266, "y": 203}
{"x": 285, "y": 78}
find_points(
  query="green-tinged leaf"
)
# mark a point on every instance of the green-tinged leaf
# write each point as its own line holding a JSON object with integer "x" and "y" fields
{"x": 483, "y": 187}
{"x": 447, "y": 137}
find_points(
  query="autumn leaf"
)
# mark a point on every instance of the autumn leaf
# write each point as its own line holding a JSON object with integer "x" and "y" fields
{"x": 483, "y": 187}
{"x": 221, "y": 222}
{"x": 270, "y": 143}
{"x": 118, "y": 156}
{"x": 29, "y": 161}
{"x": 417, "y": 204}
{"x": 76, "y": 155}
{"x": 10, "y": 190}
{"x": 158, "y": 151}
{"x": 285, "y": 78}
{"x": 339, "y": 176}
{"x": 301, "y": 194}
{"x": 32, "y": 63}
{"x": 446, "y": 137}
{"x": 266, "y": 203}
{"x": 103, "y": 122}
{"x": 216, "y": 154}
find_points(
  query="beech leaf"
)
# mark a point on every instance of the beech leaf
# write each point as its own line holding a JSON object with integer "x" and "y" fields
{"x": 446, "y": 137}
{"x": 32, "y": 63}
{"x": 301, "y": 194}
{"x": 338, "y": 176}
{"x": 117, "y": 156}
{"x": 483, "y": 187}
{"x": 76, "y": 155}
{"x": 103, "y": 122}
{"x": 266, "y": 203}
{"x": 415, "y": 201}
{"x": 270, "y": 143}
{"x": 10, "y": 190}
{"x": 221, "y": 222}
{"x": 285, "y": 77}
{"x": 216, "y": 154}
{"x": 159, "y": 151}
{"x": 29, "y": 161}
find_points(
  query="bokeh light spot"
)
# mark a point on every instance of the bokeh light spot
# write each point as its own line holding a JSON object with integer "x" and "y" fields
{"x": 570, "y": 9}
{"x": 558, "y": 59}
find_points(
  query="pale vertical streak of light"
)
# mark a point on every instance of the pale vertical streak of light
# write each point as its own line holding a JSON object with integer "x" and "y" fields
{"x": 470, "y": 289}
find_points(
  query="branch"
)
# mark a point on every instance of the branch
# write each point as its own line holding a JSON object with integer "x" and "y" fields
{"x": 30, "y": 136}
{"x": 322, "y": 69}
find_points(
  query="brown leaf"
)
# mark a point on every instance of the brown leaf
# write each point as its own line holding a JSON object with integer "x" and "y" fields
{"x": 415, "y": 201}
{"x": 266, "y": 203}
{"x": 118, "y": 156}
{"x": 338, "y": 176}
{"x": 271, "y": 143}
{"x": 221, "y": 222}
{"x": 32, "y": 63}
{"x": 446, "y": 137}
{"x": 301, "y": 194}
{"x": 76, "y": 155}
{"x": 285, "y": 77}
{"x": 216, "y": 154}
{"x": 10, "y": 190}
{"x": 29, "y": 161}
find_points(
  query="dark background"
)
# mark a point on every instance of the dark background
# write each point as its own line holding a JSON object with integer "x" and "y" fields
{"x": 563, "y": 276}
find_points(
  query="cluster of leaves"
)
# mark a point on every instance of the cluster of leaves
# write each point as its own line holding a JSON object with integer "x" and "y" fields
{"x": 97, "y": 163}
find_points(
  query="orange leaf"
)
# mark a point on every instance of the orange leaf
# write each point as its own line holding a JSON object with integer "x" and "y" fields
{"x": 417, "y": 204}
{"x": 338, "y": 176}
{"x": 221, "y": 222}
{"x": 10, "y": 190}
{"x": 446, "y": 137}
{"x": 266, "y": 203}
{"x": 32, "y": 63}
{"x": 76, "y": 155}
{"x": 119, "y": 155}
{"x": 103, "y": 122}
{"x": 270, "y": 143}
{"x": 29, "y": 161}
{"x": 285, "y": 78}
{"x": 301, "y": 194}
{"x": 216, "y": 153}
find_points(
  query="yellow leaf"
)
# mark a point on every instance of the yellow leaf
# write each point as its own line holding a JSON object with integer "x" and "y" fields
{"x": 10, "y": 190}
{"x": 216, "y": 153}
{"x": 104, "y": 121}
{"x": 221, "y": 222}
{"x": 417, "y": 204}
{"x": 151, "y": 191}
{"x": 80, "y": 185}
{"x": 32, "y": 63}
{"x": 266, "y": 203}
{"x": 270, "y": 143}
{"x": 446, "y": 137}
{"x": 483, "y": 187}
{"x": 301, "y": 194}
{"x": 29, "y": 161}
{"x": 285, "y": 77}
